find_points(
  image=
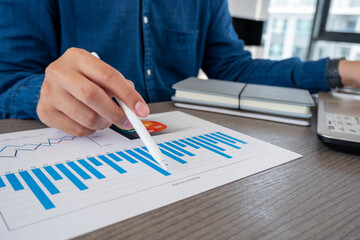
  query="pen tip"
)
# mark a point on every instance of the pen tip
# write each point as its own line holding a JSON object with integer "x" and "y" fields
{"x": 163, "y": 165}
{"x": 160, "y": 160}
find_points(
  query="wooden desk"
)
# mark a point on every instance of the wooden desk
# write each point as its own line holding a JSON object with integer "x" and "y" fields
{"x": 314, "y": 197}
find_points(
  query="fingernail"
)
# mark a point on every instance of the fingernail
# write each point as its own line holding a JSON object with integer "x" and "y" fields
{"x": 141, "y": 109}
{"x": 127, "y": 125}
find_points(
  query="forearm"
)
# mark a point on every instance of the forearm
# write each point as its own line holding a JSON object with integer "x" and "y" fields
{"x": 292, "y": 72}
{"x": 310, "y": 75}
{"x": 29, "y": 43}
{"x": 19, "y": 98}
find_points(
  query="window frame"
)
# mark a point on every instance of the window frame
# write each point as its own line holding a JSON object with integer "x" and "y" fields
{"x": 319, "y": 32}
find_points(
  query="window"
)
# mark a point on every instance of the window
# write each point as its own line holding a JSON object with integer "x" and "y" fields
{"x": 336, "y": 31}
{"x": 275, "y": 51}
{"x": 299, "y": 52}
{"x": 320, "y": 52}
{"x": 289, "y": 28}
{"x": 332, "y": 49}
{"x": 342, "y": 23}
{"x": 304, "y": 2}
{"x": 303, "y": 27}
{"x": 345, "y": 52}
{"x": 292, "y": 26}
{"x": 355, "y": 3}
{"x": 279, "y": 2}
{"x": 279, "y": 26}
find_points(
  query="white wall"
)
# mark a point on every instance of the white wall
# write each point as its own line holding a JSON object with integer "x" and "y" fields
{"x": 249, "y": 9}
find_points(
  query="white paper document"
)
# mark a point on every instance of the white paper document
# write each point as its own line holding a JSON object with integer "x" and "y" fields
{"x": 56, "y": 186}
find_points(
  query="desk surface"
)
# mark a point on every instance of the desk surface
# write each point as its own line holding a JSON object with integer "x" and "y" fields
{"x": 316, "y": 196}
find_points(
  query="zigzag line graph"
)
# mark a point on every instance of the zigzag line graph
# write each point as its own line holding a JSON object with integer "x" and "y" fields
{"x": 32, "y": 146}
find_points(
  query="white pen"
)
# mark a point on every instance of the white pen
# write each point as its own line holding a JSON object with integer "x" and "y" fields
{"x": 141, "y": 131}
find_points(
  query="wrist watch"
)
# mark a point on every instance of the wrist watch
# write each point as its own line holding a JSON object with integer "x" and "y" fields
{"x": 332, "y": 73}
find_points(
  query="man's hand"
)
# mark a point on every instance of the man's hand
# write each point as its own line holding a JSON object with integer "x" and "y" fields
{"x": 76, "y": 95}
{"x": 350, "y": 73}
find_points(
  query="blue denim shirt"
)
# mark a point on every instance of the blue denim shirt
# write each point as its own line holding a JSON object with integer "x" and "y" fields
{"x": 176, "y": 39}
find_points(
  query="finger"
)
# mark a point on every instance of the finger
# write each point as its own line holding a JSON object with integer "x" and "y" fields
{"x": 80, "y": 113}
{"x": 110, "y": 79}
{"x": 65, "y": 124}
{"x": 92, "y": 96}
{"x": 131, "y": 84}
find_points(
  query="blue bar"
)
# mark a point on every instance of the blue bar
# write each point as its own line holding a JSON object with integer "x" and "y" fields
{"x": 112, "y": 164}
{"x": 180, "y": 149}
{"x": 172, "y": 156}
{"x": 209, "y": 144}
{"x": 219, "y": 136}
{"x": 80, "y": 185}
{"x": 150, "y": 164}
{"x": 224, "y": 142}
{"x": 38, "y": 192}
{"x": 15, "y": 183}
{"x": 145, "y": 154}
{"x": 2, "y": 184}
{"x": 209, "y": 148}
{"x": 179, "y": 143}
{"x": 79, "y": 171}
{"x": 235, "y": 139}
{"x": 207, "y": 139}
{"x": 91, "y": 169}
{"x": 190, "y": 144}
{"x": 53, "y": 173}
{"x": 127, "y": 157}
{"x": 95, "y": 161}
{"x": 113, "y": 156}
{"x": 45, "y": 181}
{"x": 171, "y": 150}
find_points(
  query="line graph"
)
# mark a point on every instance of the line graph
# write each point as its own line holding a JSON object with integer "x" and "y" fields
{"x": 31, "y": 146}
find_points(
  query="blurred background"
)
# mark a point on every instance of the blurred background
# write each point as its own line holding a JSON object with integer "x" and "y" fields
{"x": 308, "y": 29}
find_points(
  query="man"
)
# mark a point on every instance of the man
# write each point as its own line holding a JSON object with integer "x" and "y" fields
{"x": 46, "y": 71}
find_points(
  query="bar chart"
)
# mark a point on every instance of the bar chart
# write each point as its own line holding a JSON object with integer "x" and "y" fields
{"x": 80, "y": 178}
{"x": 86, "y": 168}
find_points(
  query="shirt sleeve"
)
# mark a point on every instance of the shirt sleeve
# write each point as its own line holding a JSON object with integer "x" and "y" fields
{"x": 225, "y": 58}
{"x": 28, "y": 45}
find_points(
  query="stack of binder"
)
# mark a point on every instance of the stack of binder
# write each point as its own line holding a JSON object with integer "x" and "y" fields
{"x": 281, "y": 104}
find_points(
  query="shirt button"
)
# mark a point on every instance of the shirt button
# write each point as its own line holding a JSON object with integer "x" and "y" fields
{"x": 146, "y": 20}
{"x": 148, "y": 72}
